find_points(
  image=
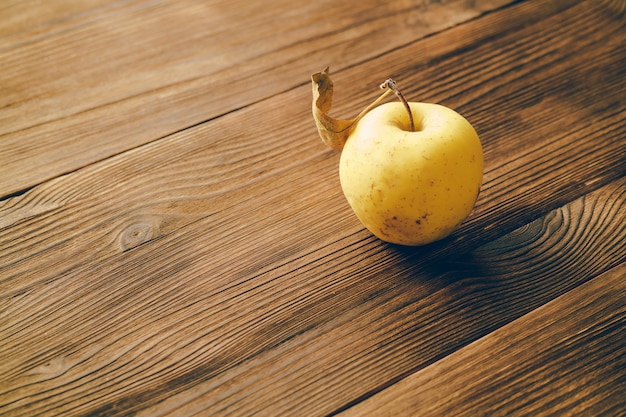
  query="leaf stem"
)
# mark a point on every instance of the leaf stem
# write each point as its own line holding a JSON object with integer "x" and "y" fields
{"x": 390, "y": 85}
{"x": 371, "y": 106}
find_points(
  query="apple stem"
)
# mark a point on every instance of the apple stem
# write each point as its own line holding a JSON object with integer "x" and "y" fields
{"x": 392, "y": 86}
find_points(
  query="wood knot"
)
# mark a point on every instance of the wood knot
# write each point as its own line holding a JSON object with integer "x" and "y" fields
{"x": 138, "y": 233}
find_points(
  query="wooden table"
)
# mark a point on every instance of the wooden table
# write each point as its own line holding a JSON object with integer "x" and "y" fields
{"x": 174, "y": 239}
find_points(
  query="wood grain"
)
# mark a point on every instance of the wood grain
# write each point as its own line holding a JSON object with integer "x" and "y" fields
{"x": 343, "y": 336}
{"x": 337, "y": 323}
{"x": 121, "y": 75}
{"x": 220, "y": 270}
{"x": 531, "y": 366}
{"x": 227, "y": 172}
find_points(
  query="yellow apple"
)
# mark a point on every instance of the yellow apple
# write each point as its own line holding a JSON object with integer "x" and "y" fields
{"x": 411, "y": 187}
{"x": 410, "y": 171}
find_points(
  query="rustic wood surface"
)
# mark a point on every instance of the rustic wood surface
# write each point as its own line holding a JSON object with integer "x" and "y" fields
{"x": 174, "y": 239}
{"x": 529, "y": 366}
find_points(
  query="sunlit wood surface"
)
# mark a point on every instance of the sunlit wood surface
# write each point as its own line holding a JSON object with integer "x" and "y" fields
{"x": 174, "y": 239}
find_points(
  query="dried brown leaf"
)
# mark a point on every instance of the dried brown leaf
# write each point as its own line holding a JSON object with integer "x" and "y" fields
{"x": 334, "y": 132}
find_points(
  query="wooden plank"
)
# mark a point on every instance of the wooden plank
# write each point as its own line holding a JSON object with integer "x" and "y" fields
{"x": 26, "y": 21}
{"x": 348, "y": 321}
{"x": 144, "y": 292}
{"x": 137, "y": 71}
{"x": 230, "y": 165}
{"x": 565, "y": 358}
{"x": 339, "y": 337}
